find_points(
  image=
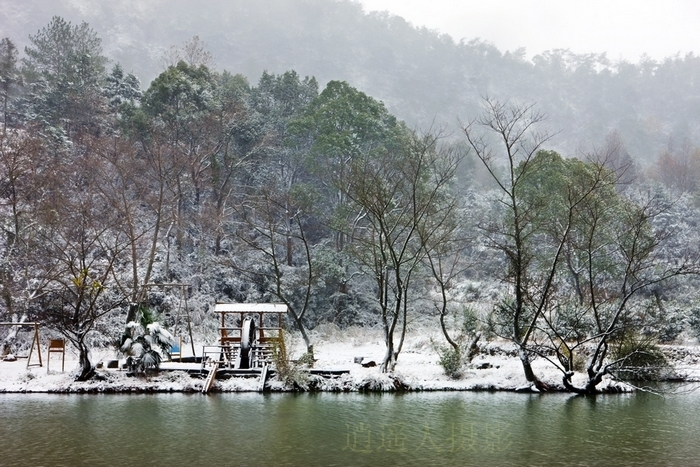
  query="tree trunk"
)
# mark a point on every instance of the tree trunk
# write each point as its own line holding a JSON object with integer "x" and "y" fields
{"x": 445, "y": 333}
{"x": 290, "y": 256}
{"x": 389, "y": 362}
{"x": 473, "y": 348}
{"x": 588, "y": 389}
{"x": 87, "y": 368}
{"x": 529, "y": 373}
{"x": 302, "y": 330}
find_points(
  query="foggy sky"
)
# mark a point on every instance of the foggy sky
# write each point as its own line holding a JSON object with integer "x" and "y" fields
{"x": 624, "y": 29}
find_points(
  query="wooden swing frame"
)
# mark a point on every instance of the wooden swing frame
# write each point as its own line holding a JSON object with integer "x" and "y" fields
{"x": 35, "y": 340}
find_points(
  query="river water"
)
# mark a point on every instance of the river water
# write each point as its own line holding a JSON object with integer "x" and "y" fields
{"x": 415, "y": 429}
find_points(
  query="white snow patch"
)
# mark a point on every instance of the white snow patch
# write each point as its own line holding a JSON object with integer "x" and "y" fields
{"x": 496, "y": 368}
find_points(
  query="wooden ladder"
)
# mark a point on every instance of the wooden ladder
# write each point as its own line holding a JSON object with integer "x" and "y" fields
{"x": 263, "y": 378}
{"x": 209, "y": 382}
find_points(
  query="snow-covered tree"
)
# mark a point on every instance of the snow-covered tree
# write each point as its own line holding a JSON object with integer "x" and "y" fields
{"x": 64, "y": 72}
{"x": 9, "y": 76}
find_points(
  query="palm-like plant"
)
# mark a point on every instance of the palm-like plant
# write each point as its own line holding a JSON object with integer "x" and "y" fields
{"x": 144, "y": 347}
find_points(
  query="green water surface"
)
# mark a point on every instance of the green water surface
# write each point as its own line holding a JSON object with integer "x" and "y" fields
{"x": 416, "y": 429}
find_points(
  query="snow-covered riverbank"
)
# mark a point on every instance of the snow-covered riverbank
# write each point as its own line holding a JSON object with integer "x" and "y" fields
{"x": 495, "y": 368}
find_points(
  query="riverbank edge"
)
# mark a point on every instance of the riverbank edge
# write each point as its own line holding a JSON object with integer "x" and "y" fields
{"x": 169, "y": 382}
{"x": 493, "y": 371}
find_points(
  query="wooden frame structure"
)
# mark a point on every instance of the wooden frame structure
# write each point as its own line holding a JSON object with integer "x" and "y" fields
{"x": 35, "y": 340}
{"x": 183, "y": 296}
{"x": 267, "y": 331}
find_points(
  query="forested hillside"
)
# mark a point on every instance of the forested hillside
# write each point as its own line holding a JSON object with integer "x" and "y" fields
{"x": 240, "y": 185}
{"x": 421, "y": 76}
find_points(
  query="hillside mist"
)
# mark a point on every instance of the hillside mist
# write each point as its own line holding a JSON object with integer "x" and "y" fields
{"x": 424, "y": 78}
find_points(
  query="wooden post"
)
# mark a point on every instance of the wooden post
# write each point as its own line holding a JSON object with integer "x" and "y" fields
{"x": 35, "y": 340}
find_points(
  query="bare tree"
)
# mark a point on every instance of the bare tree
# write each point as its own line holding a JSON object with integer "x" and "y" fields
{"x": 403, "y": 191}
{"x": 508, "y": 160}
{"x": 193, "y": 52}
{"x": 447, "y": 258}
{"x": 81, "y": 245}
{"x": 566, "y": 232}
{"x": 266, "y": 222}
{"x": 132, "y": 180}
{"x": 21, "y": 264}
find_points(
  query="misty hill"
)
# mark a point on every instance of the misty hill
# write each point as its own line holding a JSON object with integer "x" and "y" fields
{"x": 423, "y": 77}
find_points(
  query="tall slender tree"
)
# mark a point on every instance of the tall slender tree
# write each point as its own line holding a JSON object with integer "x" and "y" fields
{"x": 9, "y": 75}
{"x": 403, "y": 191}
{"x": 509, "y": 161}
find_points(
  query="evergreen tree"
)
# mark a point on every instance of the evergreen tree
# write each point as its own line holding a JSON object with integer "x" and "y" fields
{"x": 9, "y": 75}
{"x": 64, "y": 69}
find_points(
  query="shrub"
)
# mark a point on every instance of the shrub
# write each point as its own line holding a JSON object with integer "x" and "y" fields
{"x": 291, "y": 374}
{"x": 694, "y": 321}
{"x": 451, "y": 361}
{"x": 640, "y": 358}
{"x": 470, "y": 320}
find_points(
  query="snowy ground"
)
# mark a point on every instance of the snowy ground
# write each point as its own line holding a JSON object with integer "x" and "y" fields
{"x": 495, "y": 368}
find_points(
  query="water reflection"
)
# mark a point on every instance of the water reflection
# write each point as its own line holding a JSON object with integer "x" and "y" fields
{"x": 349, "y": 429}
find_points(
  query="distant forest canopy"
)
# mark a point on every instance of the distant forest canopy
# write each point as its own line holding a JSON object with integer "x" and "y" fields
{"x": 422, "y": 77}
